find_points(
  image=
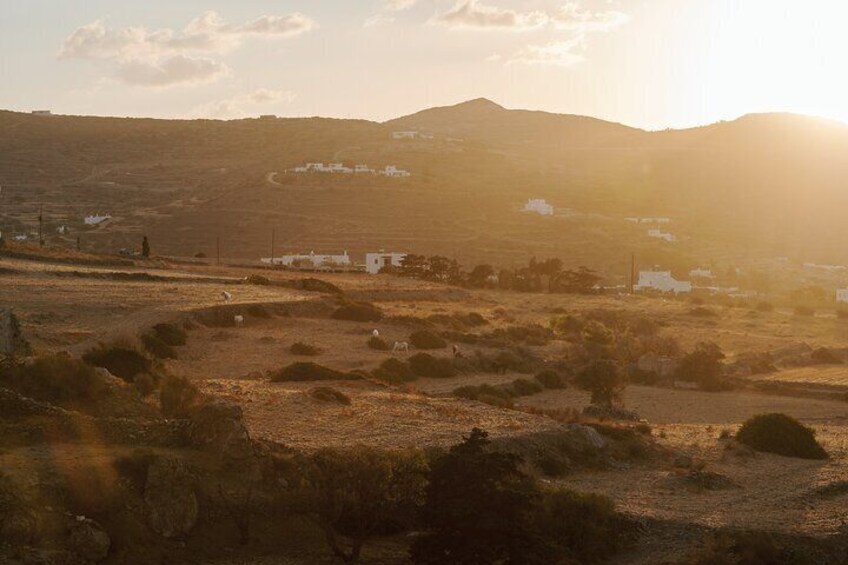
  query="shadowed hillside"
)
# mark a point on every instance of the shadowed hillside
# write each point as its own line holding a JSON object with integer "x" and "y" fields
{"x": 774, "y": 182}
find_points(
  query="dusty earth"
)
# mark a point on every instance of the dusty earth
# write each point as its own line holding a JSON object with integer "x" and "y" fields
{"x": 73, "y": 307}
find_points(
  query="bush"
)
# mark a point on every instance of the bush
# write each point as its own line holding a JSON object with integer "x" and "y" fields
{"x": 423, "y": 339}
{"x": 300, "y": 372}
{"x": 171, "y": 334}
{"x": 178, "y": 397}
{"x": 258, "y": 311}
{"x": 317, "y": 285}
{"x": 580, "y": 528}
{"x": 300, "y": 348}
{"x": 526, "y": 387}
{"x": 604, "y": 380}
{"x": 780, "y": 434}
{"x": 394, "y": 371}
{"x": 425, "y": 365}
{"x": 121, "y": 360}
{"x": 703, "y": 366}
{"x": 378, "y": 343}
{"x": 56, "y": 378}
{"x": 156, "y": 347}
{"x": 475, "y": 319}
{"x": 550, "y": 380}
{"x": 358, "y": 312}
{"x": 329, "y": 394}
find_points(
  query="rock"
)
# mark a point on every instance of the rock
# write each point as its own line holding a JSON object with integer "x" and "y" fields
{"x": 218, "y": 426}
{"x": 88, "y": 540}
{"x": 591, "y": 435}
{"x": 170, "y": 498}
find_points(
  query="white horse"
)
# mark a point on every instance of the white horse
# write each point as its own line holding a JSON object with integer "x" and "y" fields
{"x": 376, "y": 333}
{"x": 401, "y": 346}
{"x": 226, "y": 296}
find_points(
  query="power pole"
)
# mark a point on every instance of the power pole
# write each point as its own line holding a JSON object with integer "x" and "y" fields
{"x": 218, "y": 250}
{"x": 41, "y": 225}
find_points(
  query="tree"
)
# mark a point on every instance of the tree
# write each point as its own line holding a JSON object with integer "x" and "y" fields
{"x": 479, "y": 275}
{"x": 581, "y": 281}
{"x": 703, "y": 366}
{"x": 479, "y": 509}
{"x": 604, "y": 379}
{"x": 414, "y": 266}
{"x": 443, "y": 269}
{"x": 145, "y": 247}
{"x": 353, "y": 494}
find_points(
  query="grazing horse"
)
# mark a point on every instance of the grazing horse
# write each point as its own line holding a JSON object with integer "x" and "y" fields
{"x": 226, "y": 296}
{"x": 401, "y": 346}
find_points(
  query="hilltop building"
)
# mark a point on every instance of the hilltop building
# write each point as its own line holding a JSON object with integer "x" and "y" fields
{"x": 375, "y": 262}
{"x": 661, "y": 281}
{"x": 392, "y": 171}
{"x": 340, "y": 168}
{"x": 96, "y": 219}
{"x": 659, "y": 234}
{"x": 701, "y": 273}
{"x": 404, "y": 134}
{"x": 842, "y": 294}
{"x": 539, "y": 206}
{"x": 309, "y": 260}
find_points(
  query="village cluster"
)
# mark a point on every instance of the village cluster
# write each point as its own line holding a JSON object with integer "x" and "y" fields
{"x": 374, "y": 262}
{"x": 341, "y": 168}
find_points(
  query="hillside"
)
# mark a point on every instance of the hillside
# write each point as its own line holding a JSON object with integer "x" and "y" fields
{"x": 774, "y": 183}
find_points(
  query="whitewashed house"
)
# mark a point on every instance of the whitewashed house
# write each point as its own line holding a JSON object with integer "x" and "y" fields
{"x": 659, "y": 234}
{"x": 375, "y": 262}
{"x": 701, "y": 273}
{"x": 842, "y": 294}
{"x": 404, "y": 134}
{"x": 358, "y": 169}
{"x": 539, "y": 206}
{"x": 661, "y": 281}
{"x": 309, "y": 260}
{"x": 96, "y": 219}
{"x": 393, "y": 171}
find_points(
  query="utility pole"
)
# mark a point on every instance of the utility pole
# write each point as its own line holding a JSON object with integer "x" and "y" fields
{"x": 41, "y": 225}
{"x": 218, "y": 250}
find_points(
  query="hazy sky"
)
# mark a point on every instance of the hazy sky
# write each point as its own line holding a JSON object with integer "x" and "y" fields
{"x": 647, "y": 63}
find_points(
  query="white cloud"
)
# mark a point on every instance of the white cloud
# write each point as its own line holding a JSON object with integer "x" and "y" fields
{"x": 472, "y": 14}
{"x": 166, "y": 57}
{"x": 556, "y": 53}
{"x": 242, "y": 105}
{"x": 399, "y": 5}
{"x": 378, "y": 20}
{"x": 572, "y": 17}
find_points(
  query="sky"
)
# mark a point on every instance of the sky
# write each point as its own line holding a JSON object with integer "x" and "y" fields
{"x": 652, "y": 64}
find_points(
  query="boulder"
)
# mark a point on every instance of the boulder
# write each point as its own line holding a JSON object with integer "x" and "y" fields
{"x": 170, "y": 498}
{"x": 590, "y": 434}
{"x": 88, "y": 541}
{"x": 218, "y": 426}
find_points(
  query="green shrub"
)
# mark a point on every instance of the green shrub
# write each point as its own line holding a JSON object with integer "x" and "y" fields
{"x": 424, "y": 339}
{"x": 378, "y": 343}
{"x": 358, "y": 312}
{"x": 526, "y": 387}
{"x": 309, "y": 372}
{"x": 300, "y": 348}
{"x": 178, "y": 397}
{"x": 780, "y": 434}
{"x": 258, "y": 311}
{"x": 425, "y": 365}
{"x": 171, "y": 334}
{"x": 581, "y": 528}
{"x": 156, "y": 347}
{"x": 329, "y": 394}
{"x": 121, "y": 360}
{"x": 550, "y": 379}
{"x": 56, "y": 378}
{"x": 394, "y": 371}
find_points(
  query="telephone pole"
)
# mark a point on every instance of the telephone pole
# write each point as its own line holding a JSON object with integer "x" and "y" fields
{"x": 218, "y": 250}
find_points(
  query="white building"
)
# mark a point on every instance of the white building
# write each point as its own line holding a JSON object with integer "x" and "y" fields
{"x": 661, "y": 281}
{"x": 362, "y": 169}
{"x": 659, "y": 234}
{"x": 539, "y": 206}
{"x": 375, "y": 262}
{"x": 404, "y": 134}
{"x": 392, "y": 171}
{"x": 842, "y": 294}
{"x": 42, "y": 113}
{"x": 701, "y": 273}
{"x": 309, "y": 260}
{"x": 660, "y": 220}
{"x": 96, "y": 219}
